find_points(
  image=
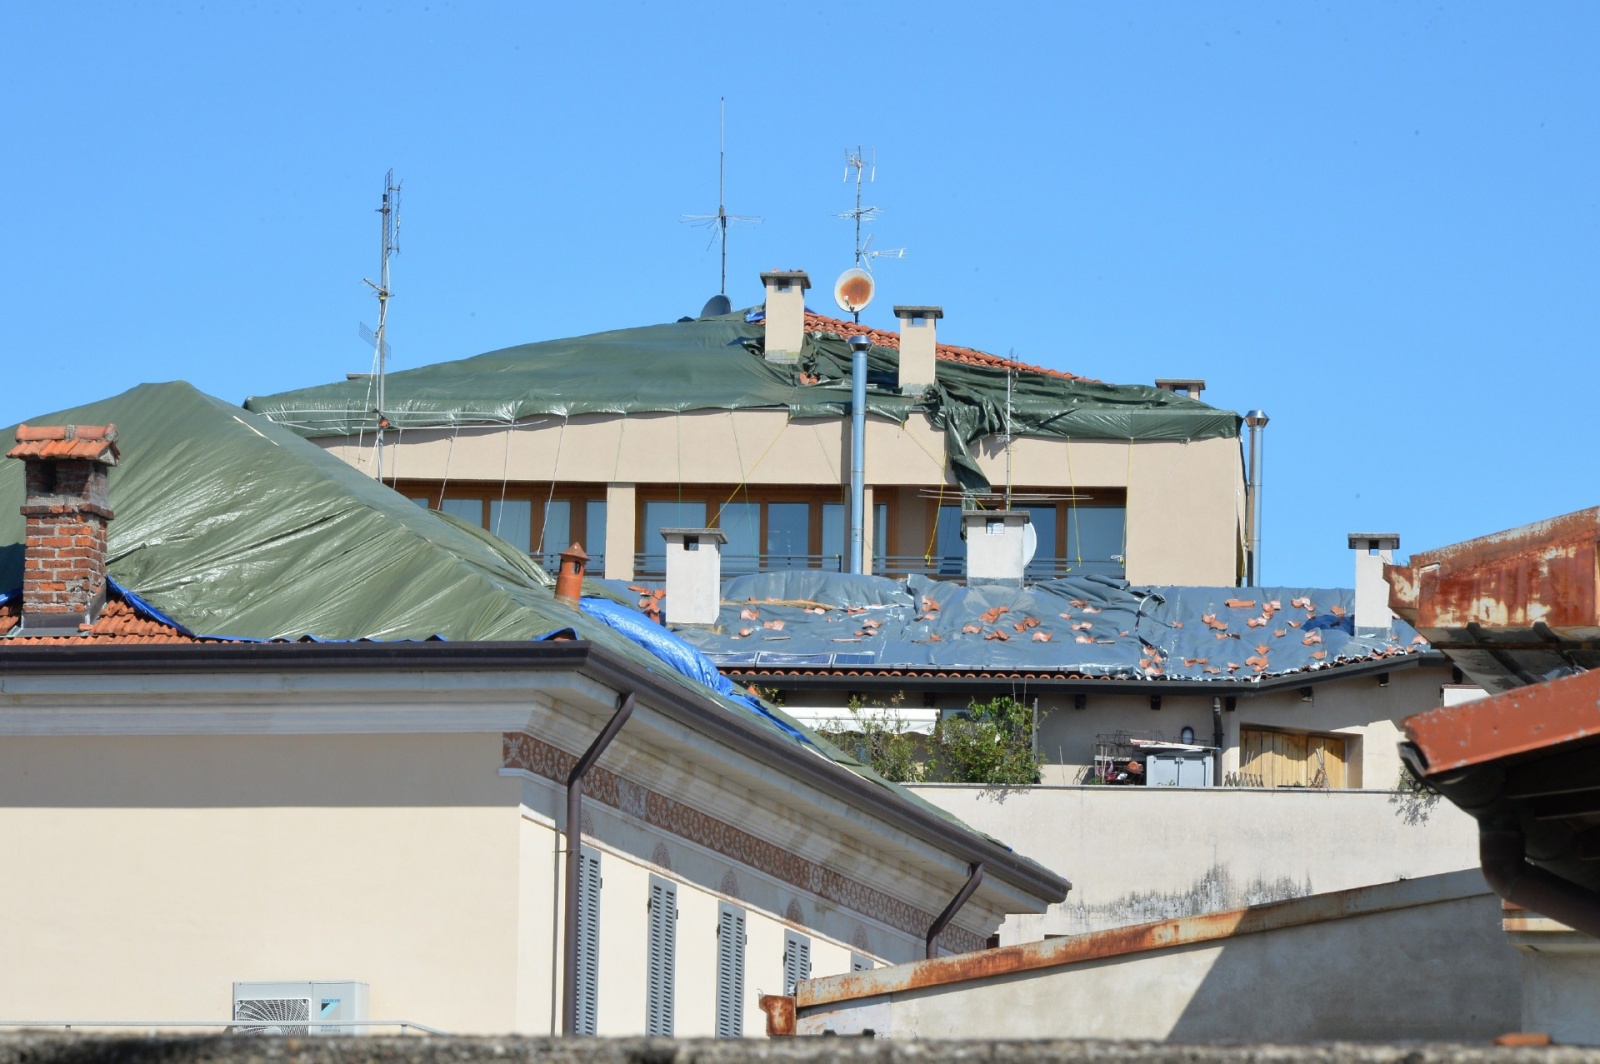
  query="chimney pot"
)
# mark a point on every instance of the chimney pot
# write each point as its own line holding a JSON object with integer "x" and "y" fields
{"x": 694, "y": 574}
{"x": 786, "y": 313}
{"x": 1373, "y": 550}
{"x": 569, "y": 579}
{"x": 1190, "y": 386}
{"x": 66, "y": 512}
{"x": 919, "y": 343}
{"x": 997, "y": 546}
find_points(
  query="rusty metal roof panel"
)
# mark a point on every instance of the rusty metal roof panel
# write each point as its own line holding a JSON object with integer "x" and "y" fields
{"x": 1511, "y": 608}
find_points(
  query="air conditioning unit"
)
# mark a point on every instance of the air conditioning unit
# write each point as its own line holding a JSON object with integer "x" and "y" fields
{"x": 299, "y": 1008}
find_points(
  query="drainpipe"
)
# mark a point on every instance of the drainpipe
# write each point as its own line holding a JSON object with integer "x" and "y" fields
{"x": 1257, "y": 420}
{"x": 858, "y": 447}
{"x": 941, "y": 921}
{"x": 1503, "y": 856}
{"x": 569, "y": 930}
{"x": 1216, "y": 740}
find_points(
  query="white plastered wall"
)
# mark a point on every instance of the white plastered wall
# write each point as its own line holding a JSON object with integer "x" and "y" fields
{"x": 146, "y": 874}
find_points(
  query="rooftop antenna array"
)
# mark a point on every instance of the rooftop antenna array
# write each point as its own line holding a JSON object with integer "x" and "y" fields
{"x": 865, "y": 171}
{"x": 389, "y": 221}
{"x": 720, "y": 221}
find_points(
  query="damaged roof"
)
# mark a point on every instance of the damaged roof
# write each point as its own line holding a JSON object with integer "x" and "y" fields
{"x": 717, "y": 364}
{"x": 811, "y": 623}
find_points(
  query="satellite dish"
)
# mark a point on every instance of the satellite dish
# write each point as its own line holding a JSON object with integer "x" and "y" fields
{"x": 1030, "y": 544}
{"x": 716, "y": 307}
{"x": 853, "y": 290}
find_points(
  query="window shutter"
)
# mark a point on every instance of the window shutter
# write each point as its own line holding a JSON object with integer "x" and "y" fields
{"x": 860, "y": 963}
{"x": 661, "y": 960}
{"x": 588, "y": 940}
{"x": 796, "y": 960}
{"x": 730, "y": 971}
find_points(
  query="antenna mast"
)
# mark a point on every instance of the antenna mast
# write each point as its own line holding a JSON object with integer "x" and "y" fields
{"x": 858, "y": 162}
{"x": 389, "y": 220}
{"x": 1008, "y": 437}
{"x": 719, "y": 222}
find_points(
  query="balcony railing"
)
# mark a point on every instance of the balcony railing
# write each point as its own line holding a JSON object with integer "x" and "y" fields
{"x": 951, "y": 567}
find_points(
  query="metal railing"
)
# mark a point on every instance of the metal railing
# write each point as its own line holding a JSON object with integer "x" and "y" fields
{"x": 653, "y": 566}
{"x": 947, "y": 567}
{"x": 300, "y": 1027}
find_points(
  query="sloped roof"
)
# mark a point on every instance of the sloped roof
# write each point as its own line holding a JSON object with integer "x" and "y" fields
{"x": 812, "y": 623}
{"x": 230, "y": 527}
{"x": 717, "y": 364}
{"x": 944, "y": 352}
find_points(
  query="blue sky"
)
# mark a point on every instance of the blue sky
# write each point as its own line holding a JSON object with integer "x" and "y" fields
{"x": 1379, "y": 222}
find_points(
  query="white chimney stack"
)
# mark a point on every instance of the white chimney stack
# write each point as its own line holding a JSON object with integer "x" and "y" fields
{"x": 918, "y": 340}
{"x": 1373, "y": 551}
{"x": 1000, "y": 545}
{"x": 786, "y": 313}
{"x": 694, "y": 574}
{"x": 1190, "y": 386}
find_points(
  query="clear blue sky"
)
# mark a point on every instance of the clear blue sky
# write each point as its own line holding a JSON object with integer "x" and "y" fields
{"x": 1379, "y": 222}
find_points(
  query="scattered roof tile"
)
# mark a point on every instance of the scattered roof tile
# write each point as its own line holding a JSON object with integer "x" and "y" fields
{"x": 947, "y": 352}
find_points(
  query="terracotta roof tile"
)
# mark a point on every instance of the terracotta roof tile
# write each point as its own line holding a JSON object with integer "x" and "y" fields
{"x": 946, "y": 352}
{"x": 118, "y": 623}
{"x": 66, "y": 441}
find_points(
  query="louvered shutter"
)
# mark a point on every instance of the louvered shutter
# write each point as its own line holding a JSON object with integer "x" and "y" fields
{"x": 730, "y": 971}
{"x": 661, "y": 959}
{"x": 860, "y": 963}
{"x": 796, "y": 960}
{"x": 588, "y": 940}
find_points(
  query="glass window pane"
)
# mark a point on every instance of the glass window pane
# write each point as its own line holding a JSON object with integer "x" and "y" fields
{"x": 512, "y": 521}
{"x": 880, "y": 530}
{"x": 788, "y": 534}
{"x": 594, "y": 533}
{"x": 741, "y": 523}
{"x": 1043, "y": 519}
{"x": 557, "y": 535}
{"x": 1094, "y": 539}
{"x": 424, "y": 503}
{"x": 466, "y": 509}
{"x": 666, "y": 513}
{"x": 950, "y": 554}
{"x": 835, "y": 536}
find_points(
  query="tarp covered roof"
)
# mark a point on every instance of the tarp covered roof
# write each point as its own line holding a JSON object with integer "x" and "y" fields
{"x": 1083, "y": 626}
{"x": 717, "y": 364}
{"x": 229, "y": 525}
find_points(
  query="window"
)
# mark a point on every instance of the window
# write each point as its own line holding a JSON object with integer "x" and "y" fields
{"x": 527, "y": 516}
{"x": 836, "y": 535}
{"x": 778, "y": 529}
{"x": 588, "y": 940}
{"x": 730, "y": 971}
{"x": 661, "y": 957}
{"x": 796, "y": 960}
{"x": 1074, "y": 536}
{"x": 1269, "y": 758}
{"x": 512, "y": 521}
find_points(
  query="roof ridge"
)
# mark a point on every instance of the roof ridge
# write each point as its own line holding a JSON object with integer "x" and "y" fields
{"x": 945, "y": 352}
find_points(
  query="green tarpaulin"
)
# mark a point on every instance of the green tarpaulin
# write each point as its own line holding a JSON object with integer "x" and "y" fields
{"x": 716, "y": 364}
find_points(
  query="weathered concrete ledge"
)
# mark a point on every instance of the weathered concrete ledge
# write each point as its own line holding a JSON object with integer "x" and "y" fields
{"x": 26, "y": 1048}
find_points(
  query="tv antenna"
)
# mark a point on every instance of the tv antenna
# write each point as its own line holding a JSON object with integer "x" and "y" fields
{"x": 389, "y": 221}
{"x": 718, "y": 223}
{"x": 866, "y": 172}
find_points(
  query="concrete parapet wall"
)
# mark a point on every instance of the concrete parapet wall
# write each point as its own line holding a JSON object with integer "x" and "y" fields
{"x": 89, "y": 1049}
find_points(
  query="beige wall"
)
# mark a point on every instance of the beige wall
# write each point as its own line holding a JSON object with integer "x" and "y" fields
{"x": 1137, "y": 854}
{"x": 1185, "y": 500}
{"x": 1426, "y": 969}
{"x": 146, "y": 874}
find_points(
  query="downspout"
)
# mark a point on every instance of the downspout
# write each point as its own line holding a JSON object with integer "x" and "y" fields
{"x": 858, "y": 447}
{"x": 1216, "y": 740}
{"x": 569, "y": 928}
{"x": 1503, "y": 855}
{"x": 941, "y": 921}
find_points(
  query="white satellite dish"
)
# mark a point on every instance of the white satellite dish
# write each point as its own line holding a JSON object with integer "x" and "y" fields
{"x": 853, "y": 290}
{"x": 1030, "y": 544}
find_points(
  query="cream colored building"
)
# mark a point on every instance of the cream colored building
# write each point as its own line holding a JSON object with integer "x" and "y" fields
{"x": 607, "y": 439}
{"x": 262, "y": 720}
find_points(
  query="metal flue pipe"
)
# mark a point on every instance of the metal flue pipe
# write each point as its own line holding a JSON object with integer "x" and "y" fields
{"x": 940, "y": 922}
{"x": 1257, "y": 420}
{"x": 858, "y": 448}
{"x": 569, "y": 929}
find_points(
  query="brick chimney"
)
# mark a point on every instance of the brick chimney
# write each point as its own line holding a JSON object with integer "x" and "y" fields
{"x": 64, "y": 551}
{"x": 786, "y": 313}
{"x": 918, "y": 341}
